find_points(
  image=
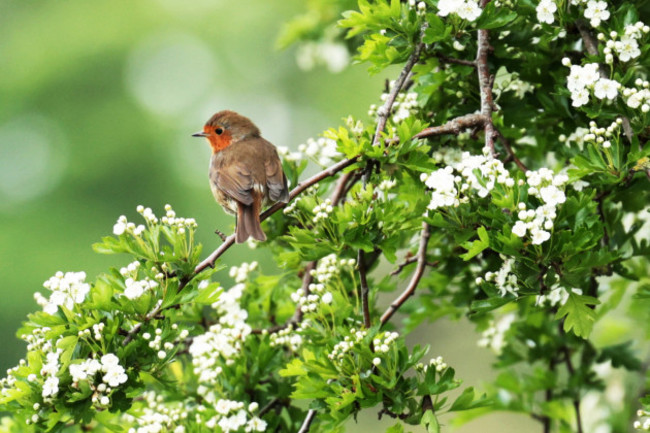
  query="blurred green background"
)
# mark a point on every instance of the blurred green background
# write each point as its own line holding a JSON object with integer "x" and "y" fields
{"x": 97, "y": 104}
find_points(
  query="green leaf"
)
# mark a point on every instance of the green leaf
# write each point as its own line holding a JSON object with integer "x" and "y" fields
{"x": 495, "y": 16}
{"x": 578, "y": 316}
{"x": 397, "y": 428}
{"x": 621, "y": 355}
{"x": 430, "y": 421}
{"x": 476, "y": 247}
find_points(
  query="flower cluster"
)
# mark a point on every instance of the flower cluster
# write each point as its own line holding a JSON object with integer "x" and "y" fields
{"x": 231, "y": 417}
{"x": 643, "y": 423}
{"x": 112, "y": 376}
{"x": 494, "y": 336}
{"x": 67, "y": 289}
{"x": 158, "y": 416}
{"x": 291, "y": 206}
{"x": 157, "y": 342}
{"x": 240, "y": 273}
{"x": 322, "y": 211}
{"x": 49, "y": 371}
{"x": 452, "y": 184}
{"x": 420, "y": 7}
{"x": 223, "y": 340}
{"x": 382, "y": 343}
{"x": 329, "y": 267}
{"x": 504, "y": 278}
{"x": 343, "y": 347}
{"x": 639, "y": 96}
{"x": 179, "y": 223}
{"x": 290, "y": 336}
{"x": 134, "y": 288}
{"x": 437, "y": 363}
{"x": 557, "y": 295}
{"x": 322, "y": 150}
{"x": 405, "y": 105}
{"x": 583, "y": 79}
{"x": 466, "y": 9}
{"x": 124, "y": 226}
{"x": 539, "y": 221}
{"x": 627, "y": 47}
{"x": 309, "y": 302}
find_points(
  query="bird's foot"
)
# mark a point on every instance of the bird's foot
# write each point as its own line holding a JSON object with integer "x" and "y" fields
{"x": 221, "y": 234}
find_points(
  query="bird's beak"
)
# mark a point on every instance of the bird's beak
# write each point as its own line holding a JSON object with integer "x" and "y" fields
{"x": 200, "y": 134}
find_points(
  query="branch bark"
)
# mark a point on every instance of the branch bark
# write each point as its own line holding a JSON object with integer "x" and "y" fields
{"x": 485, "y": 84}
{"x": 415, "y": 279}
{"x": 384, "y": 111}
{"x": 454, "y": 126}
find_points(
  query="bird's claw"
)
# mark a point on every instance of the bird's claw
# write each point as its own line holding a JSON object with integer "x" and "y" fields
{"x": 221, "y": 234}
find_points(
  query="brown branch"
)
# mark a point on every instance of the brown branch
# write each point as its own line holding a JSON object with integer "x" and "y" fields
{"x": 384, "y": 110}
{"x": 364, "y": 291}
{"x": 485, "y": 84}
{"x": 408, "y": 261}
{"x": 511, "y": 153}
{"x": 456, "y": 61}
{"x": 415, "y": 279}
{"x": 131, "y": 334}
{"x": 576, "y": 400}
{"x": 454, "y": 126}
{"x": 304, "y": 428}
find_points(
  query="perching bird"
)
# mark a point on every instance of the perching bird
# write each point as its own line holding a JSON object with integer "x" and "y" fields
{"x": 245, "y": 171}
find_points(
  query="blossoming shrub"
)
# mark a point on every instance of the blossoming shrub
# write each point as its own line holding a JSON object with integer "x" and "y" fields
{"x": 503, "y": 175}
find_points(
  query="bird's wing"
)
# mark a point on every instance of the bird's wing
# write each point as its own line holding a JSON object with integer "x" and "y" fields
{"x": 236, "y": 181}
{"x": 276, "y": 181}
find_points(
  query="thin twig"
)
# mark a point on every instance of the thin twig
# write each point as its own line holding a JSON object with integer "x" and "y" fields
{"x": 364, "y": 291}
{"x": 511, "y": 153}
{"x": 446, "y": 59}
{"x": 415, "y": 279}
{"x": 576, "y": 401}
{"x": 384, "y": 111}
{"x": 408, "y": 261}
{"x": 304, "y": 428}
{"x": 485, "y": 84}
{"x": 454, "y": 126}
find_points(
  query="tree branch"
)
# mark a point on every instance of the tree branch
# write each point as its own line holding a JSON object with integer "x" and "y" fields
{"x": 364, "y": 291}
{"x": 454, "y": 126}
{"x": 456, "y": 61}
{"x": 384, "y": 110}
{"x": 511, "y": 153}
{"x": 304, "y": 428}
{"x": 415, "y": 279}
{"x": 485, "y": 84}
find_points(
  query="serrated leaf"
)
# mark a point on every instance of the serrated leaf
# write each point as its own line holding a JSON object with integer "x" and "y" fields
{"x": 495, "y": 16}
{"x": 476, "y": 247}
{"x": 578, "y": 317}
{"x": 430, "y": 422}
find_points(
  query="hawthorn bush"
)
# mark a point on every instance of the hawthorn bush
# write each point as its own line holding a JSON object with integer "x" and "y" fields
{"x": 503, "y": 176}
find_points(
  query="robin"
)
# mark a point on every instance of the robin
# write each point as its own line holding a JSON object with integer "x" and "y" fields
{"x": 245, "y": 171}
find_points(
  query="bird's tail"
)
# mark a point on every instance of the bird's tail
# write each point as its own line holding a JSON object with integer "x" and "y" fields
{"x": 248, "y": 220}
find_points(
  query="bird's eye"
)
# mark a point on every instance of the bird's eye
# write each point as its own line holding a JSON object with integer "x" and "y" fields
{"x": 219, "y": 131}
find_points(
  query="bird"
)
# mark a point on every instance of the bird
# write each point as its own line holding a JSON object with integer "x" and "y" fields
{"x": 245, "y": 171}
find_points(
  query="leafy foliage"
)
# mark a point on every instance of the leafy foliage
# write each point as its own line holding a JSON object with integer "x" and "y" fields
{"x": 530, "y": 219}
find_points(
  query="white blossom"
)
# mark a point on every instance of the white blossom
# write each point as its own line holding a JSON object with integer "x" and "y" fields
{"x": 545, "y": 10}
{"x": 596, "y": 12}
